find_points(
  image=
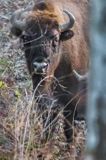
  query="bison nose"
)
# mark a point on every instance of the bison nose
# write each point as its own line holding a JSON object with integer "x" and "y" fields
{"x": 40, "y": 66}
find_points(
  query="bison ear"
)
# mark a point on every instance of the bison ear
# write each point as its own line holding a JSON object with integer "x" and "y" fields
{"x": 15, "y": 31}
{"x": 66, "y": 35}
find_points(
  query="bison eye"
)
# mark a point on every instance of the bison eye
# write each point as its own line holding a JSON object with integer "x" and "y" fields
{"x": 55, "y": 41}
{"x": 56, "y": 38}
{"x": 52, "y": 36}
{"x": 25, "y": 38}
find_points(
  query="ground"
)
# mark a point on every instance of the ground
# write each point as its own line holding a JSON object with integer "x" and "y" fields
{"x": 20, "y": 128}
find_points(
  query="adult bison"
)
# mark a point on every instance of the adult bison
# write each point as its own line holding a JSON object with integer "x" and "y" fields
{"x": 55, "y": 40}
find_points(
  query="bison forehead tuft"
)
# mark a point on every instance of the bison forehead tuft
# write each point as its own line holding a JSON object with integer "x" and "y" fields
{"x": 44, "y": 16}
{"x": 42, "y": 21}
{"x": 48, "y": 10}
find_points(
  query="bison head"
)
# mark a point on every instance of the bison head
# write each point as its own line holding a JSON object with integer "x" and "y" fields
{"x": 41, "y": 34}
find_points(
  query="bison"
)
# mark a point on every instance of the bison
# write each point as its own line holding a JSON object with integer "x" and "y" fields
{"x": 56, "y": 45}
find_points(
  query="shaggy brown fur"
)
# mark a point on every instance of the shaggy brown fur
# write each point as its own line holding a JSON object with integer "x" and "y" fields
{"x": 66, "y": 53}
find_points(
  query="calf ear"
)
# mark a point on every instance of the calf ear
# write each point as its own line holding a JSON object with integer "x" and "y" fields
{"x": 66, "y": 35}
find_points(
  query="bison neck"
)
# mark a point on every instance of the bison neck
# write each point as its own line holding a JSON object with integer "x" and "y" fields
{"x": 37, "y": 81}
{"x": 67, "y": 91}
{"x": 64, "y": 73}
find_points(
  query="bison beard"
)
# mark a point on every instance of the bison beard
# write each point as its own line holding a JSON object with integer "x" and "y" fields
{"x": 52, "y": 51}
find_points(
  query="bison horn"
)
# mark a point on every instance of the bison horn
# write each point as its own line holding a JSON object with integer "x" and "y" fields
{"x": 80, "y": 77}
{"x": 69, "y": 24}
{"x": 19, "y": 16}
{"x": 16, "y": 20}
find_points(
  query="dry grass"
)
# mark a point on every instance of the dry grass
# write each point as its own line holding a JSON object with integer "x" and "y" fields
{"x": 23, "y": 132}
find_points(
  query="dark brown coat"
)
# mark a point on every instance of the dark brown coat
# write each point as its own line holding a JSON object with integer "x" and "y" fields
{"x": 67, "y": 50}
